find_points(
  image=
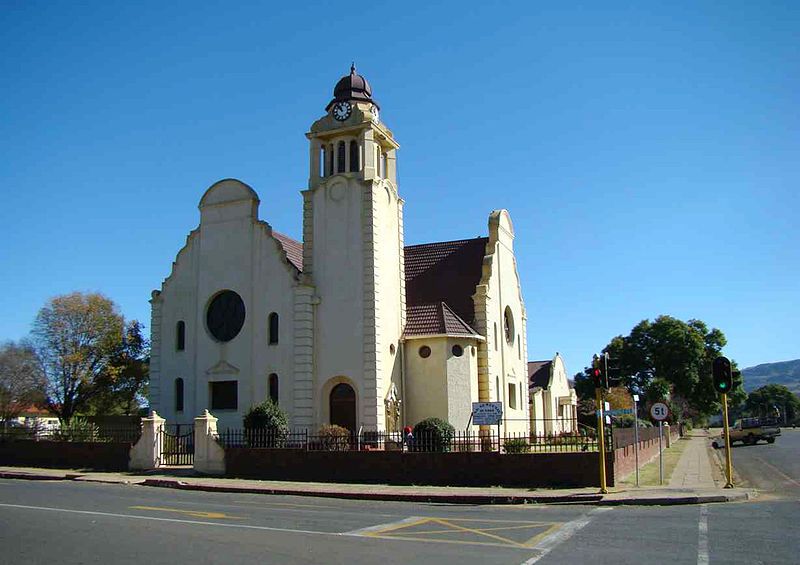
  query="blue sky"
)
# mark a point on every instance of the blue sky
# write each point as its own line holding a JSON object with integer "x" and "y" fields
{"x": 648, "y": 153}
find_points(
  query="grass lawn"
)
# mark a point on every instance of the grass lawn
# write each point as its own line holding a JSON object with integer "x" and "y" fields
{"x": 648, "y": 474}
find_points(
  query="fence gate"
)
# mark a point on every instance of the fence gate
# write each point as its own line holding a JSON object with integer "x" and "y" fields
{"x": 177, "y": 441}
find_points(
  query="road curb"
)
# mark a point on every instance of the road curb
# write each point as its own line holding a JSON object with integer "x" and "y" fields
{"x": 441, "y": 498}
{"x": 384, "y": 496}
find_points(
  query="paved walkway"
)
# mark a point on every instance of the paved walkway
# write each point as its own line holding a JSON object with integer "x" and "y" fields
{"x": 694, "y": 467}
{"x": 691, "y": 483}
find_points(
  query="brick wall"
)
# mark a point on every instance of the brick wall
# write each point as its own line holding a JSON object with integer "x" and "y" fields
{"x": 402, "y": 468}
{"x": 65, "y": 455}
{"x": 625, "y": 457}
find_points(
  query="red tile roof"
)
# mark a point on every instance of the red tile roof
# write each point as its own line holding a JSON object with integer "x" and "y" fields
{"x": 447, "y": 271}
{"x": 293, "y": 249}
{"x": 435, "y": 319}
{"x": 441, "y": 278}
{"x": 539, "y": 374}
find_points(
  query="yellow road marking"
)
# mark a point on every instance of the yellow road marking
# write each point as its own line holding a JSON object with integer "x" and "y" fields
{"x": 193, "y": 513}
{"x": 398, "y": 527}
{"x": 499, "y": 528}
{"x": 535, "y": 539}
{"x": 478, "y": 532}
{"x": 397, "y": 531}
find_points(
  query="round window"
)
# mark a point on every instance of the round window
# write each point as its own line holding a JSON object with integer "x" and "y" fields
{"x": 458, "y": 351}
{"x": 424, "y": 351}
{"x": 225, "y": 316}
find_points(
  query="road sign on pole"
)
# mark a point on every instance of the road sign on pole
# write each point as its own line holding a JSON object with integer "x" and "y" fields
{"x": 659, "y": 411}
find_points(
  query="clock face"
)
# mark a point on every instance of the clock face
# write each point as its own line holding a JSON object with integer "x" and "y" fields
{"x": 374, "y": 110}
{"x": 225, "y": 316}
{"x": 342, "y": 110}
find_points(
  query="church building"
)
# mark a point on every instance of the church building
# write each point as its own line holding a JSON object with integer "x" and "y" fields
{"x": 350, "y": 326}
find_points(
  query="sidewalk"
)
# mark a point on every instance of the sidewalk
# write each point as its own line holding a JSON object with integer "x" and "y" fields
{"x": 691, "y": 483}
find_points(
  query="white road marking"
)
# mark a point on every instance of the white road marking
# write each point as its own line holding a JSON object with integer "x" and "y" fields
{"x": 702, "y": 539}
{"x": 174, "y": 520}
{"x": 379, "y": 527}
{"x": 548, "y": 543}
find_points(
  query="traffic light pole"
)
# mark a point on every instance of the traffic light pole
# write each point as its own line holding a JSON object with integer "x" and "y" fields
{"x": 728, "y": 462}
{"x": 601, "y": 436}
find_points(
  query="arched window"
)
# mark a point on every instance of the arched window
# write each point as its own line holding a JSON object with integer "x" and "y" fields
{"x": 497, "y": 387}
{"x": 322, "y": 161}
{"x": 354, "y": 165}
{"x": 340, "y": 153}
{"x": 273, "y": 387}
{"x": 343, "y": 406}
{"x": 383, "y": 166}
{"x": 508, "y": 324}
{"x": 180, "y": 336}
{"x": 495, "y": 336}
{"x": 273, "y": 328}
{"x": 329, "y": 157}
{"x": 178, "y": 395}
{"x": 378, "y": 160}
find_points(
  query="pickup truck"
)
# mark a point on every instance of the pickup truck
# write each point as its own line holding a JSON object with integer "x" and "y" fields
{"x": 749, "y": 431}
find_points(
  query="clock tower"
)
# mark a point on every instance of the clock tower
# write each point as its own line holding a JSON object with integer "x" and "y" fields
{"x": 350, "y": 303}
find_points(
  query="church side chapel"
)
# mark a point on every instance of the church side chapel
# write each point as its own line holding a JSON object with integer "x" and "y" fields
{"x": 350, "y": 326}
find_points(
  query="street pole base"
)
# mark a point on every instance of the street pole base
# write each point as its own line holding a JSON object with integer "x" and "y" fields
{"x": 728, "y": 485}
{"x": 603, "y": 491}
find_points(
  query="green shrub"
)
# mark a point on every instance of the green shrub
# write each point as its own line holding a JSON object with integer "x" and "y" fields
{"x": 266, "y": 425}
{"x": 334, "y": 438}
{"x": 78, "y": 429}
{"x": 516, "y": 445}
{"x": 433, "y": 434}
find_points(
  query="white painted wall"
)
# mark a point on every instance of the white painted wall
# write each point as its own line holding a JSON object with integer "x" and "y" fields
{"x": 231, "y": 250}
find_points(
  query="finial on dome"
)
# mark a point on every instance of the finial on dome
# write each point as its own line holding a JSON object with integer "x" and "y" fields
{"x": 353, "y": 68}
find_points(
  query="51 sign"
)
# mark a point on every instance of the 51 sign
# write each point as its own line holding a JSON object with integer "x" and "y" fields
{"x": 659, "y": 411}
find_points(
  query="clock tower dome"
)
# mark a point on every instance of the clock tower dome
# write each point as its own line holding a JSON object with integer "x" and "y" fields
{"x": 351, "y": 301}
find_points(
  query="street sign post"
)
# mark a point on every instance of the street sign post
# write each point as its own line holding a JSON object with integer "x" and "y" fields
{"x": 636, "y": 434}
{"x": 660, "y": 411}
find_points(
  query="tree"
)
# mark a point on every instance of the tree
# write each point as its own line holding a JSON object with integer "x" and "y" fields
{"x": 121, "y": 389}
{"x": 670, "y": 358}
{"x": 774, "y": 399}
{"x": 78, "y": 338}
{"x": 21, "y": 379}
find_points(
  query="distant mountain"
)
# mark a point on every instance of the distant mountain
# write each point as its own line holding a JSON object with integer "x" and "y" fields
{"x": 786, "y": 373}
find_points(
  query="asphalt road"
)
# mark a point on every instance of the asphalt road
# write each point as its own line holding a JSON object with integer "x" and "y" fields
{"x": 773, "y": 469}
{"x": 71, "y": 523}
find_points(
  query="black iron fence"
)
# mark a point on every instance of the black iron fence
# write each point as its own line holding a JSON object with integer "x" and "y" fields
{"x": 459, "y": 441}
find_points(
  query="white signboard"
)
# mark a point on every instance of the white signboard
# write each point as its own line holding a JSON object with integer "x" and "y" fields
{"x": 659, "y": 411}
{"x": 487, "y": 413}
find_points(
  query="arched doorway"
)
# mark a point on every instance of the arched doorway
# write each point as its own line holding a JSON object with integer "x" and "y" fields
{"x": 343, "y": 406}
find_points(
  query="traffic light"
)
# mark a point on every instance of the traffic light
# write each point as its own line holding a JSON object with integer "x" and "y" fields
{"x": 723, "y": 378}
{"x": 597, "y": 372}
{"x": 613, "y": 372}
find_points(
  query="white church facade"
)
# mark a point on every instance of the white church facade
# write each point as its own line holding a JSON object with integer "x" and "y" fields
{"x": 349, "y": 326}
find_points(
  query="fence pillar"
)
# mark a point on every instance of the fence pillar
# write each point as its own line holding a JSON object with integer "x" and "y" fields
{"x": 209, "y": 456}
{"x": 147, "y": 452}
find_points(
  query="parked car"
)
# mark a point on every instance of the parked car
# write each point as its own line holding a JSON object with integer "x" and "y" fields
{"x": 749, "y": 431}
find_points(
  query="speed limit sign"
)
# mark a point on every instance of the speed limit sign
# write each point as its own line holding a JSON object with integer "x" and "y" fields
{"x": 659, "y": 411}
